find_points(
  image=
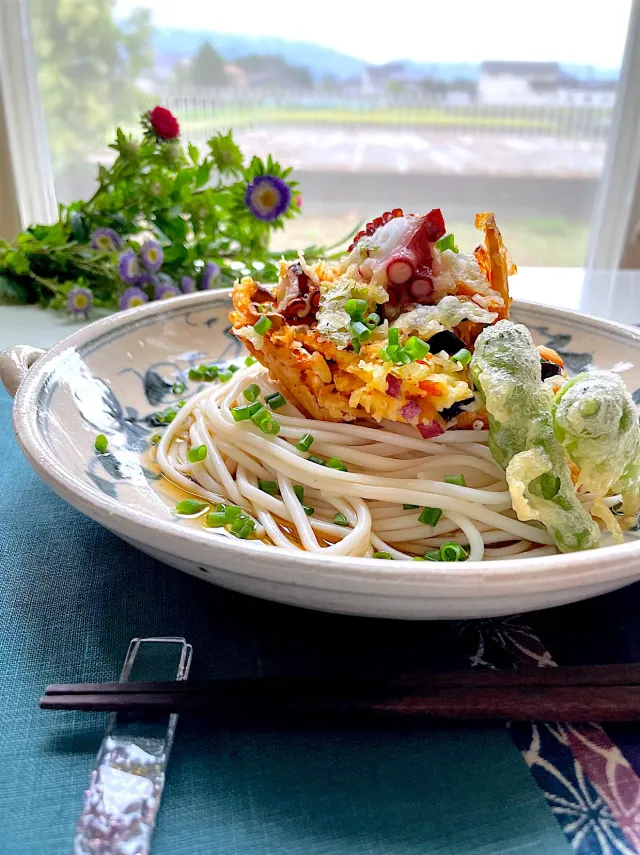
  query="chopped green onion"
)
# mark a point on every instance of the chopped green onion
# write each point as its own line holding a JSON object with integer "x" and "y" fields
{"x": 589, "y": 407}
{"x": 384, "y": 355}
{"x": 372, "y": 320}
{"x": 355, "y": 308}
{"x": 432, "y": 556}
{"x": 215, "y": 519}
{"x": 275, "y": 400}
{"x": 195, "y": 374}
{"x": 458, "y": 480}
{"x": 447, "y": 242}
{"x": 242, "y": 527}
{"x": 265, "y": 422}
{"x": 410, "y": 507}
{"x": 208, "y": 372}
{"x": 417, "y": 558}
{"x": 336, "y": 463}
{"x": 463, "y": 356}
{"x": 356, "y": 345}
{"x": 549, "y": 485}
{"x": 386, "y": 555}
{"x": 155, "y": 439}
{"x": 430, "y": 516}
{"x": 190, "y": 506}
{"x": 416, "y": 349}
{"x": 299, "y": 491}
{"x": 241, "y": 414}
{"x": 165, "y": 417}
{"x": 225, "y": 376}
{"x": 181, "y": 404}
{"x": 195, "y": 455}
{"x": 360, "y": 331}
{"x": 318, "y": 460}
{"x": 262, "y": 325}
{"x": 309, "y": 511}
{"x": 255, "y": 408}
{"x": 394, "y": 336}
{"x": 269, "y": 487}
{"x": 101, "y": 443}
{"x": 250, "y": 360}
{"x": 402, "y": 358}
{"x": 452, "y": 552}
{"x": 178, "y": 387}
{"x": 231, "y": 512}
{"x": 304, "y": 444}
{"x": 233, "y": 368}
{"x": 340, "y": 519}
{"x": 252, "y": 393}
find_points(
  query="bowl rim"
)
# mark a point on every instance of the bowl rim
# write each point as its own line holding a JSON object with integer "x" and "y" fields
{"x": 565, "y": 570}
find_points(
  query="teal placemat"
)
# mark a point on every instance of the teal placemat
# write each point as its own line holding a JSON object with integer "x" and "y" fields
{"x": 72, "y": 597}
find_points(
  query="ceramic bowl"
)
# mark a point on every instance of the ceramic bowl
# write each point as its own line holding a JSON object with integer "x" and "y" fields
{"x": 110, "y": 377}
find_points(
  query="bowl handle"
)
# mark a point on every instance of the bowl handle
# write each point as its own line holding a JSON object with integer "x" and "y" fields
{"x": 14, "y": 364}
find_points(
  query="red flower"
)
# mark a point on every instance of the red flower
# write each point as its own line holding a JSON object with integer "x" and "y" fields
{"x": 164, "y": 123}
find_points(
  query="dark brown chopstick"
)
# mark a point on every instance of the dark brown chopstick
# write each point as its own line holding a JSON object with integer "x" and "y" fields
{"x": 591, "y": 693}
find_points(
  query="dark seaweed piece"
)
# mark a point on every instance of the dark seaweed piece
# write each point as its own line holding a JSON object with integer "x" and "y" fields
{"x": 446, "y": 340}
{"x": 455, "y": 409}
{"x": 549, "y": 369}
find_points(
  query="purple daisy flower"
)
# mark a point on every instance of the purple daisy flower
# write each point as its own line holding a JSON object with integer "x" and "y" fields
{"x": 129, "y": 267}
{"x": 133, "y": 297}
{"x": 149, "y": 282}
{"x": 267, "y": 197}
{"x": 105, "y": 239}
{"x": 210, "y": 276}
{"x": 188, "y": 285}
{"x": 79, "y": 301}
{"x": 164, "y": 292}
{"x": 152, "y": 255}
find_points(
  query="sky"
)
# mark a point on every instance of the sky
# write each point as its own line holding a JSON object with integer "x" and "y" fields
{"x": 572, "y": 31}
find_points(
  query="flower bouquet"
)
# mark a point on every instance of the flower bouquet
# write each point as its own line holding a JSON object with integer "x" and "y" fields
{"x": 163, "y": 221}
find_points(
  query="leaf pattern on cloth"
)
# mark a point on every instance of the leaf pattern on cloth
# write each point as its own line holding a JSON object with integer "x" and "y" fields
{"x": 588, "y": 784}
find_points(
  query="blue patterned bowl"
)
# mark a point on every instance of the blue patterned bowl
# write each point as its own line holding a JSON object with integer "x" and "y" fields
{"x": 112, "y": 376}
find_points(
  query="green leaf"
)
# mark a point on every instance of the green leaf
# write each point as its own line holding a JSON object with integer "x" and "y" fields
{"x": 176, "y": 254}
{"x": 194, "y": 154}
{"x": 202, "y": 175}
{"x": 13, "y": 291}
{"x": 79, "y": 226}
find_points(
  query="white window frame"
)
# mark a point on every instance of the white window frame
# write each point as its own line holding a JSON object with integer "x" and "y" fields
{"x": 30, "y": 188}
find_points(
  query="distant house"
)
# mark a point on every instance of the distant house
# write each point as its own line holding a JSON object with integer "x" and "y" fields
{"x": 387, "y": 78}
{"x": 540, "y": 83}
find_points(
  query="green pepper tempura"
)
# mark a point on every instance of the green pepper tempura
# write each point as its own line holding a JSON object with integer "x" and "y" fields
{"x": 506, "y": 369}
{"x": 596, "y": 421}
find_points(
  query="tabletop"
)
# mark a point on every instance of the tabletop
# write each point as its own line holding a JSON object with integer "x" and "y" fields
{"x": 73, "y": 595}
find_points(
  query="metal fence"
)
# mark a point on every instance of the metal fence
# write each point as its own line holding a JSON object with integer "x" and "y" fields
{"x": 204, "y": 112}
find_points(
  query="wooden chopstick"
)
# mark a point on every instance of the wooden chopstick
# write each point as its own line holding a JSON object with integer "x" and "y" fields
{"x": 587, "y": 693}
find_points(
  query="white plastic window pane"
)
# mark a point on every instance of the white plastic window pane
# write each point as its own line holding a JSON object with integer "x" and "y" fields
{"x": 469, "y": 107}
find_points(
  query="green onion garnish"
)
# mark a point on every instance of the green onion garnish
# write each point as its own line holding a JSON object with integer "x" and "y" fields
{"x": 195, "y": 374}
{"x": 432, "y": 556}
{"x": 340, "y": 519}
{"x": 463, "y": 356}
{"x": 255, "y": 407}
{"x": 242, "y": 527}
{"x": 430, "y": 516}
{"x": 447, "y": 242}
{"x": 355, "y": 308}
{"x": 416, "y": 349}
{"x": 225, "y": 376}
{"x": 372, "y": 320}
{"x": 312, "y": 459}
{"x": 233, "y": 368}
{"x": 262, "y": 325}
{"x": 178, "y": 387}
{"x": 299, "y": 491}
{"x": 394, "y": 337}
{"x": 356, "y": 345}
{"x": 417, "y": 558}
{"x": 275, "y": 400}
{"x": 195, "y": 455}
{"x": 386, "y": 555}
{"x": 231, "y": 512}
{"x": 589, "y": 407}
{"x": 181, "y": 404}
{"x": 190, "y": 506}
{"x": 165, "y": 417}
{"x": 250, "y": 360}
{"x": 252, "y": 393}
{"x": 304, "y": 444}
{"x": 384, "y": 355}
{"x": 241, "y": 414}
{"x": 360, "y": 331}
{"x": 206, "y": 372}
{"x": 458, "y": 480}
{"x": 336, "y": 463}
{"x": 309, "y": 511}
{"x": 452, "y": 552}
{"x": 101, "y": 443}
{"x": 410, "y": 507}
{"x": 215, "y": 519}
{"x": 265, "y": 422}
{"x": 269, "y": 487}
{"x": 155, "y": 439}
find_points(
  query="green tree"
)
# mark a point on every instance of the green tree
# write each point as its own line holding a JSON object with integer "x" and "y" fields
{"x": 207, "y": 68}
{"x": 88, "y": 64}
